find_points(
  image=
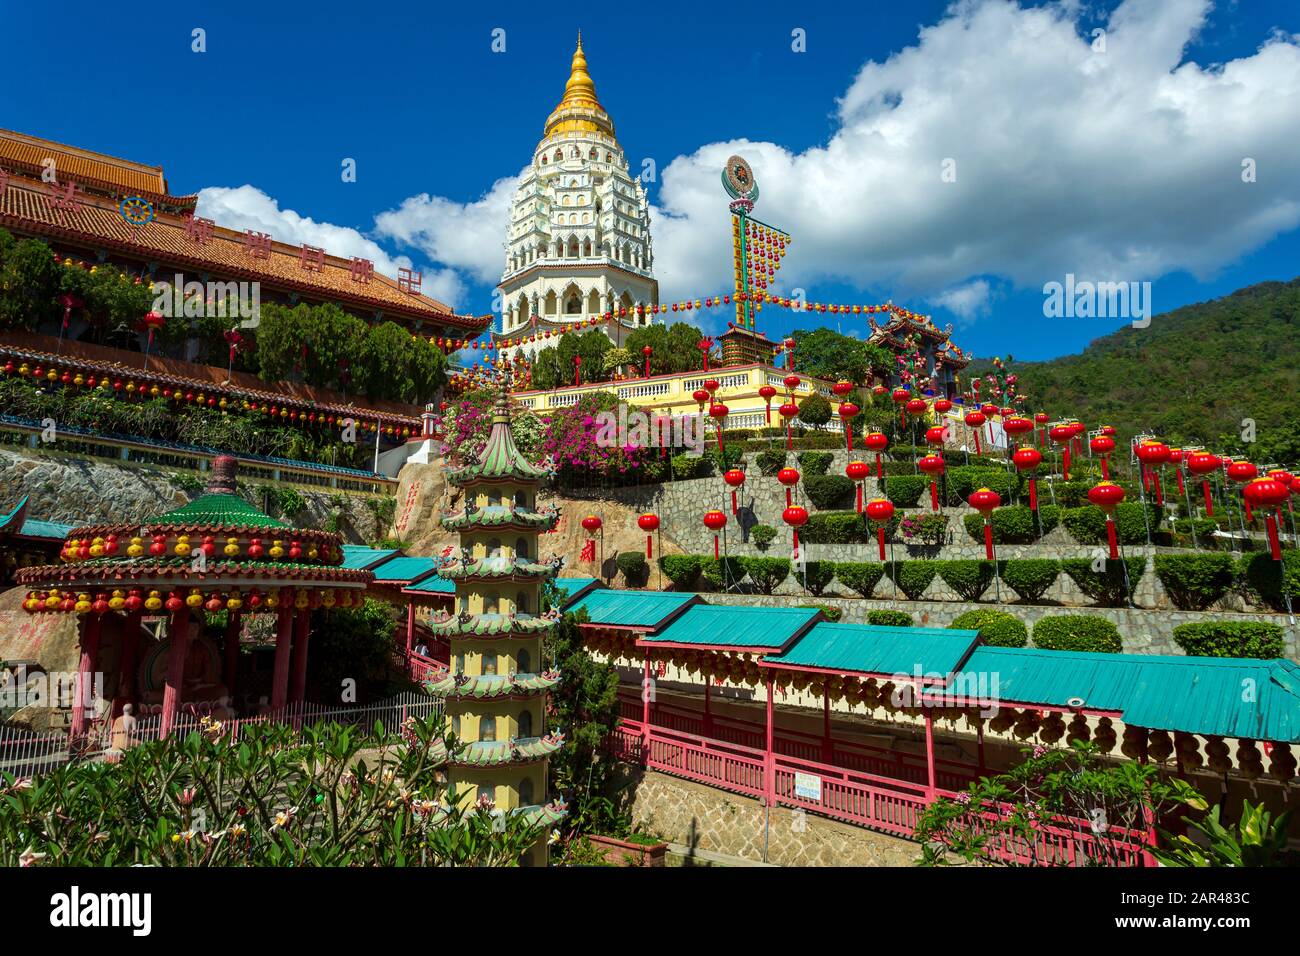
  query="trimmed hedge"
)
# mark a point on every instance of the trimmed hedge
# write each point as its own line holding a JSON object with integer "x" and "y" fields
{"x": 1270, "y": 581}
{"x": 719, "y": 572}
{"x": 889, "y": 618}
{"x": 828, "y": 491}
{"x": 905, "y": 490}
{"x": 859, "y": 576}
{"x": 912, "y": 577}
{"x": 762, "y": 535}
{"x": 970, "y": 579}
{"x": 1087, "y": 525}
{"x": 766, "y": 573}
{"x": 815, "y": 462}
{"x": 997, "y": 628}
{"x": 843, "y": 527}
{"x": 1077, "y": 632}
{"x": 686, "y": 467}
{"x": 1106, "y": 587}
{"x": 1195, "y": 581}
{"x": 634, "y": 567}
{"x": 1030, "y": 577}
{"x": 817, "y": 575}
{"x": 1014, "y": 524}
{"x": 1231, "y": 639}
{"x": 682, "y": 569}
{"x": 963, "y": 479}
{"x": 770, "y": 461}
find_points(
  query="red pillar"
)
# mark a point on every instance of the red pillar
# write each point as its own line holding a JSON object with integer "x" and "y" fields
{"x": 233, "y": 623}
{"x": 827, "y": 750}
{"x": 645, "y": 703}
{"x": 302, "y": 632}
{"x": 283, "y": 639}
{"x": 130, "y": 657}
{"x": 410, "y": 626}
{"x": 929, "y": 754}
{"x": 708, "y": 714}
{"x": 85, "y": 684}
{"x": 979, "y": 744}
{"x": 769, "y": 769}
{"x": 178, "y": 631}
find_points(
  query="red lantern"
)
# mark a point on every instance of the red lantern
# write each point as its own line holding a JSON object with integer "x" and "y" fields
{"x": 718, "y": 412}
{"x": 649, "y": 523}
{"x": 1106, "y": 495}
{"x": 1041, "y": 419}
{"x": 766, "y": 393}
{"x": 877, "y": 442}
{"x": 1202, "y": 463}
{"x": 788, "y": 477}
{"x": 1102, "y": 446}
{"x": 715, "y": 521}
{"x": 1028, "y": 459}
{"x": 1268, "y": 494}
{"x": 942, "y": 405}
{"x": 933, "y": 466}
{"x": 591, "y": 524}
{"x": 1152, "y": 454}
{"x": 792, "y": 382}
{"x": 647, "y": 351}
{"x": 788, "y": 411}
{"x": 841, "y": 388}
{"x": 700, "y": 396}
{"x": 1063, "y": 435}
{"x": 847, "y": 413}
{"x": 858, "y": 472}
{"x": 975, "y": 421}
{"x": 796, "y": 517}
{"x": 1015, "y": 426}
{"x": 985, "y": 502}
{"x": 1242, "y": 472}
{"x": 880, "y": 510}
{"x": 734, "y": 477}
{"x": 916, "y": 407}
{"x": 936, "y": 435}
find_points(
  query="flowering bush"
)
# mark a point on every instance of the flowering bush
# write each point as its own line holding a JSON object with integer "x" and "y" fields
{"x": 924, "y": 528}
{"x": 573, "y": 439}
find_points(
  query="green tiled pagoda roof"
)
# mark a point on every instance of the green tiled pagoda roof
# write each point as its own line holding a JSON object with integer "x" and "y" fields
{"x": 500, "y": 567}
{"x": 495, "y": 753}
{"x": 548, "y": 815}
{"x": 488, "y": 686}
{"x": 490, "y": 625}
{"x": 496, "y": 516}
{"x": 218, "y": 510}
{"x": 404, "y": 569}
{"x": 500, "y": 460}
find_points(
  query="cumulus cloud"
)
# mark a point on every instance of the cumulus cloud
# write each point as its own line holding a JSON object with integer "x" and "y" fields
{"x": 247, "y": 207}
{"x": 966, "y": 301}
{"x": 1123, "y": 164}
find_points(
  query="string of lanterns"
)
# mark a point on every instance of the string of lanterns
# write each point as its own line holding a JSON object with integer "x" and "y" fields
{"x": 134, "y": 600}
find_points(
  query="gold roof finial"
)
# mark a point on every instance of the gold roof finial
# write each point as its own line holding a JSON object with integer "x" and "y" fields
{"x": 580, "y": 88}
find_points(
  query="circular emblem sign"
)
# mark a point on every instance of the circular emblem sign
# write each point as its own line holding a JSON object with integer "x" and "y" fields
{"x": 739, "y": 178}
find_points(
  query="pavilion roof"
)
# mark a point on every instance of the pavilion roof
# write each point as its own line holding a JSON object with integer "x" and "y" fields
{"x": 433, "y": 584}
{"x": 646, "y": 610}
{"x": 573, "y": 589}
{"x": 17, "y": 522}
{"x": 27, "y": 153}
{"x": 404, "y": 569}
{"x": 358, "y": 556}
{"x": 218, "y": 510}
{"x": 737, "y": 628}
{"x": 870, "y": 649}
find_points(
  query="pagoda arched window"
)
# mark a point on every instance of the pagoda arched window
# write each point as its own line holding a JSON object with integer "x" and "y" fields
{"x": 460, "y": 668}
{"x": 521, "y": 547}
{"x": 525, "y": 789}
{"x": 494, "y": 548}
{"x": 489, "y": 663}
{"x": 524, "y": 665}
{"x": 487, "y": 792}
{"x": 487, "y": 728}
{"x": 521, "y": 603}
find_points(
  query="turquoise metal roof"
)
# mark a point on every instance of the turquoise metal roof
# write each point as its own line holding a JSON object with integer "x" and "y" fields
{"x": 404, "y": 569}
{"x": 1212, "y": 696}
{"x": 56, "y": 530}
{"x": 574, "y": 588}
{"x": 744, "y": 628}
{"x": 632, "y": 608}
{"x": 864, "y": 648}
{"x": 358, "y": 557}
{"x": 434, "y": 583}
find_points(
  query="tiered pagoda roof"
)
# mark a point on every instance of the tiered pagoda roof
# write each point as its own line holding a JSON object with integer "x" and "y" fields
{"x": 496, "y": 569}
{"x": 489, "y": 625}
{"x": 501, "y": 459}
{"x": 492, "y": 686}
{"x": 499, "y": 518}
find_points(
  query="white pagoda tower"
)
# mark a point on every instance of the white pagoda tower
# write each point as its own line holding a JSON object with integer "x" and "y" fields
{"x": 578, "y": 242}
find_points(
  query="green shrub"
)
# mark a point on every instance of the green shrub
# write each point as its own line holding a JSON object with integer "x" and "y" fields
{"x": 686, "y": 466}
{"x": 720, "y": 573}
{"x": 1014, "y": 524}
{"x": 927, "y": 527}
{"x": 1072, "y": 494}
{"x": 682, "y": 569}
{"x": 1204, "y": 528}
{"x": 766, "y": 573}
{"x": 634, "y": 567}
{"x": 815, "y": 462}
{"x": 889, "y": 618}
{"x": 729, "y": 457}
{"x": 1231, "y": 639}
{"x": 997, "y": 628}
{"x": 827, "y": 491}
{"x": 1195, "y": 581}
{"x": 817, "y": 575}
{"x": 1106, "y": 587}
{"x": 831, "y": 614}
{"x": 859, "y": 576}
{"x": 762, "y": 535}
{"x": 1272, "y": 581}
{"x": 770, "y": 461}
{"x": 963, "y": 479}
{"x": 970, "y": 579}
{"x": 836, "y": 527}
{"x": 814, "y": 410}
{"x": 1030, "y": 577}
{"x": 912, "y": 577}
{"x": 1087, "y": 525}
{"x": 905, "y": 490}
{"x": 1077, "y": 632}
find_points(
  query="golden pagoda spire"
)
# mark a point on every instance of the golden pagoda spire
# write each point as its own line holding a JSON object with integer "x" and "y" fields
{"x": 580, "y": 89}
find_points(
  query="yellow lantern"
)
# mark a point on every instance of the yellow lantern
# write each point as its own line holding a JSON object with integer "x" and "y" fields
{"x": 52, "y": 601}
{"x": 234, "y": 602}
{"x": 194, "y": 599}
{"x": 97, "y": 548}
{"x": 232, "y": 547}
{"x": 183, "y": 545}
{"x": 277, "y": 549}
{"x": 272, "y": 599}
{"x": 135, "y": 548}
{"x": 117, "y": 601}
{"x": 153, "y": 602}
{"x": 83, "y": 604}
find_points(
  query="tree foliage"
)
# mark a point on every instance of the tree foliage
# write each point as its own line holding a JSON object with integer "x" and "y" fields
{"x": 827, "y": 354}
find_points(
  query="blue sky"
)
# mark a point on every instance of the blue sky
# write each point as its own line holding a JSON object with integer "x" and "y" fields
{"x": 1128, "y": 171}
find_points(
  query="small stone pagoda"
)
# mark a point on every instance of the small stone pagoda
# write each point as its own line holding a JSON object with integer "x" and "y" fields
{"x": 496, "y": 689}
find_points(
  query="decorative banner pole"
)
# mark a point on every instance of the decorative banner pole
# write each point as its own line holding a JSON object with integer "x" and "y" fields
{"x": 877, "y": 442}
{"x": 715, "y": 521}
{"x": 1176, "y": 459}
{"x": 1107, "y": 495}
{"x": 735, "y": 478}
{"x": 858, "y": 472}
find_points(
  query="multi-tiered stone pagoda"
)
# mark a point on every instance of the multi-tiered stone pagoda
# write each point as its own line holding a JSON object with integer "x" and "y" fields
{"x": 495, "y": 692}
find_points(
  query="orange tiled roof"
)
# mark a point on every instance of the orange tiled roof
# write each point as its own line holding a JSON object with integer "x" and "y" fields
{"x": 19, "y": 151}
{"x": 28, "y": 207}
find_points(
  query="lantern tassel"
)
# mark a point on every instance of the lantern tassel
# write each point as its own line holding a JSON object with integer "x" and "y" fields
{"x": 859, "y": 484}
{"x": 1274, "y": 545}
{"x": 1181, "y": 490}
{"x": 734, "y": 508}
{"x": 796, "y": 542}
{"x": 648, "y": 550}
{"x": 880, "y": 469}
{"x": 1065, "y": 467}
{"x": 716, "y": 556}
{"x": 1033, "y": 495}
{"x": 934, "y": 494}
{"x": 1105, "y": 469}
{"x": 1209, "y": 501}
{"x": 988, "y": 539}
{"x": 880, "y": 537}
{"x": 977, "y": 441}
{"x": 1111, "y": 538}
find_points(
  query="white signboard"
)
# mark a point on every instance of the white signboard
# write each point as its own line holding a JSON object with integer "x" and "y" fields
{"x": 808, "y": 786}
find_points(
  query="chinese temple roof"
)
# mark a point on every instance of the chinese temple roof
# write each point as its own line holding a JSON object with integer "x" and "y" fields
{"x": 488, "y": 625}
{"x": 495, "y": 753}
{"x": 499, "y": 516}
{"x": 27, "y": 154}
{"x": 491, "y": 686}
{"x": 501, "y": 459}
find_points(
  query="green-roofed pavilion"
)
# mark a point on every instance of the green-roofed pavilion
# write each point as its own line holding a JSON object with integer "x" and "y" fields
{"x": 723, "y": 627}
{"x": 929, "y": 653}
{"x": 634, "y": 610}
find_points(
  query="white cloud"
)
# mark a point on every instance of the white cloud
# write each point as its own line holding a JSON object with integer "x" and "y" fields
{"x": 247, "y": 207}
{"x": 1123, "y": 165}
{"x": 966, "y": 301}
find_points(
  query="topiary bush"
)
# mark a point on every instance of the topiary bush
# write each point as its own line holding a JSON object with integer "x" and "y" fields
{"x": 836, "y": 527}
{"x": 964, "y": 479}
{"x": 997, "y": 628}
{"x": 815, "y": 462}
{"x": 1014, "y": 524}
{"x": 762, "y": 535}
{"x": 1195, "y": 581}
{"x": 889, "y": 618}
{"x": 1269, "y": 581}
{"x": 814, "y": 410}
{"x": 859, "y": 576}
{"x": 912, "y": 577}
{"x": 682, "y": 569}
{"x": 1030, "y": 577}
{"x": 1077, "y": 632}
{"x": 1231, "y": 639}
{"x": 1087, "y": 525}
{"x": 817, "y": 576}
{"x": 970, "y": 579}
{"x": 905, "y": 490}
{"x": 687, "y": 466}
{"x": 766, "y": 573}
{"x": 1204, "y": 528}
{"x": 634, "y": 567}
{"x": 770, "y": 461}
{"x": 828, "y": 491}
{"x": 1107, "y": 587}
{"x": 720, "y": 573}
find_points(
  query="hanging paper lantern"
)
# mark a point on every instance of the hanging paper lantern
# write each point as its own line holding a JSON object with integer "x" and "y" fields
{"x": 715, "y": 521}
{"x": 858, "y": 472}
{"x": 975, "y": 421}
{"x": 1027, "y": 460}
{"x": 648, "y": 523}
{"x": 1268, "y": 494}
{"x": 1243, "y": 472}
{"x": 1062, "y": 435}
{"x": 796, "y": 517}
{"x": 734, "y": 478}
{"x": 848, "y": 411}
{"x": 1107, "y": 495}
{"x": 1202, "y": 463}
{"x": 933, "y": 466}
{"x": 985, "y": 502}
{"x": 942, "y": 405}
{"x": 1152, "y": 454}
{"x": 877, "y": 442}
{"x": 767, "y": 393}
{"x": 880, "y": 510}
{"x": 788, "y": 477}
{"x": 1102, "y": 446}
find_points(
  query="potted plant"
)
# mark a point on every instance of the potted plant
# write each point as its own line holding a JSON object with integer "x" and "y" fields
{"x": 611, "y": 831}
